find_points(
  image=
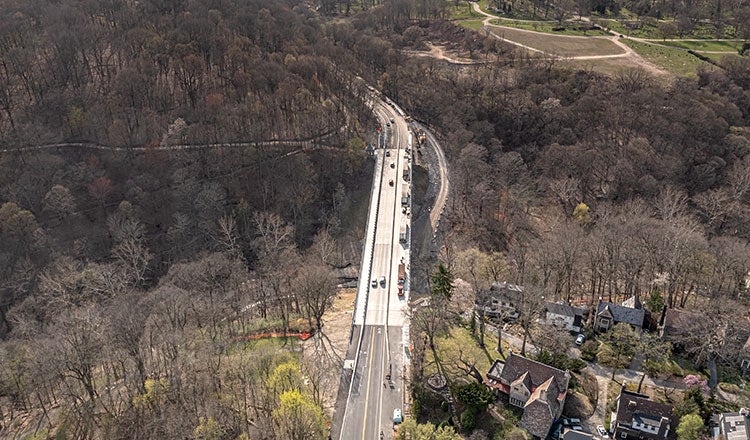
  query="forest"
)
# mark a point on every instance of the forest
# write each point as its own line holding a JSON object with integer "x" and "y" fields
{"x": 134, "y": 256}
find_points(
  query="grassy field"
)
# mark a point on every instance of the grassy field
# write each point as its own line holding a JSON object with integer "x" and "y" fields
{"x": 548, "y": 26}
{"x": 473, "y": 24}
{"x": 462, "y": 11}
{"x": 564, "y": 46}
{"x": 675, "y": 60}
{"x": 460, "y": 343}
{"x": 649, "y": 29}
{"x": 727, "y": 46}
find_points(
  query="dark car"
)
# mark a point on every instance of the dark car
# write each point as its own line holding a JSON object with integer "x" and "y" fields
{"x": 390, "y": 182}
{"x": 375, "y": 283}
{"x": 387, "y": 153}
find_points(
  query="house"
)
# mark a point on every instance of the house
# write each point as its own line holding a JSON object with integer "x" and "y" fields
{"x": 571, "y": 434}
{"x": 675, "y": 322}
{"x": 733, "y": 426}
{"x": 639, "y": 418}
{"x": 564, "y": 316}
{"x": 537, "y": 388}
{"x": 501, "y": 301}
{"x": 609, "y": 314}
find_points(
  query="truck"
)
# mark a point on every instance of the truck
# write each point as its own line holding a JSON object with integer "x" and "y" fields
{"x": 406, "y": 173}
{"x": 403, "y": 233}
{"x": 404, "y": 195}
{"x": 401, "y": 278}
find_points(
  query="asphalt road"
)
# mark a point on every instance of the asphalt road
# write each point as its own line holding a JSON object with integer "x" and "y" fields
{"x": 379, "y": 313}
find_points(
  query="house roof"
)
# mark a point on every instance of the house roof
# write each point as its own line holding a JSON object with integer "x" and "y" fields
{"x": 516, "y": 365}
{"x": 525, "y": 379}
{"x": 537, "y": 417}
{"x": 734, "y": 425}
{"x": 633, "y": 405}
{"x": 571, "y": 434}
{"x": 510, "y": 292}
{"x": 620, "y": 313}
{"x": 679, "y": 319}
{"x": 633, "y": 302}
{"x": 564, "y": 309}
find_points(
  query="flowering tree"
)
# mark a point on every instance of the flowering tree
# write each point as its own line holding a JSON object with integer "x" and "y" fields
{"x": 695, "y": 381}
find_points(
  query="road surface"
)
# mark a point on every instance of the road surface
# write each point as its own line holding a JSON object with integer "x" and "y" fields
{"x": 379, "y": 319}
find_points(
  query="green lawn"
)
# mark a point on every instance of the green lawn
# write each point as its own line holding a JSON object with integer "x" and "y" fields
{"x": 548, "y": 27}
{"x": 462, "y": 11}
{"x": 674, "y": 60}
{"x": 475, "y": 24}
{"x": 728, "y": 46}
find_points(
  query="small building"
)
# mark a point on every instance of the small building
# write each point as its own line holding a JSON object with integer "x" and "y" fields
{"x": 639, "y": 418}
{"x": 564, "y": 316}
{"x": 537, "y": 388}
{"x": 608, "y": 314}
{"x": 500, "y": 301}
{"x": 733, "y": 426}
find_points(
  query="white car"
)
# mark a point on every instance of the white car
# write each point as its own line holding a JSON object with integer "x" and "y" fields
{"x": 580, "y": 339}
{"x": 602, "y": 432}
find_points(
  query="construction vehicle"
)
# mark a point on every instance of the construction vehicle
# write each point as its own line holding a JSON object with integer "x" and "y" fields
{"x": 404, "y": 195}
{"x": 403, "y": 233}
{"x": 406, "y": 173}
{"x": 401, "y": 278}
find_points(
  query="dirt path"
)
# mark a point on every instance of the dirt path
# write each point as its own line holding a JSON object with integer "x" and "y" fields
{"x": 439, "y": 53}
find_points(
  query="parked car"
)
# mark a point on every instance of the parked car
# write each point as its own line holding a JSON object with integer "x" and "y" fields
{"x": 374, "y": 283}
{"x": 393, "y": 165}
{"x": 602, "y": 432}
{"x": 382, "y": 281}
{"x": 393, "y": 121}
{"x": 580, "y": 338}
{"x": 397, "y": 417}
{"x": 387, "y": 153}
{"x": 390, "y": 182}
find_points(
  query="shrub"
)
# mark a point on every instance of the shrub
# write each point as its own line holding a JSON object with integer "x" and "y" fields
{"x": 469, "y": 419}
{"x": 589, "y": 349}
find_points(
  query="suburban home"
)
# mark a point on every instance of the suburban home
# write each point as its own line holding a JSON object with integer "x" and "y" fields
{"x": 571, "y": 434}
{"x": 501, "y": 301}
{"x": 564, "y": 316}
{"x": 733, "y": 426}
{"x": 609, "y": 314}
{"x": 537, "y": 388}
{"x": 639, "y": 418}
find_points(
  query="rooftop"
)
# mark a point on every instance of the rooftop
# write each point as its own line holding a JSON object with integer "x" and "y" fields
{"x": 620, "y": 313}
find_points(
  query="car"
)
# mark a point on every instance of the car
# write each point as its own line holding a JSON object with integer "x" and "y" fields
{"x": 374, "y": 283}
{"x": 387, "y": 153}
{"x": 393, "y": 121}
{"x": 574, "y": 421}
{"x": 397, "y": 416}
{"x": 602, "y": 432}
{"x": 387, "y": 124}
{"x": 393, "y": 165}
{"x": 382, "y": 281}
{"x": 390, "y": 182}
{"x": 580, "y": 338}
